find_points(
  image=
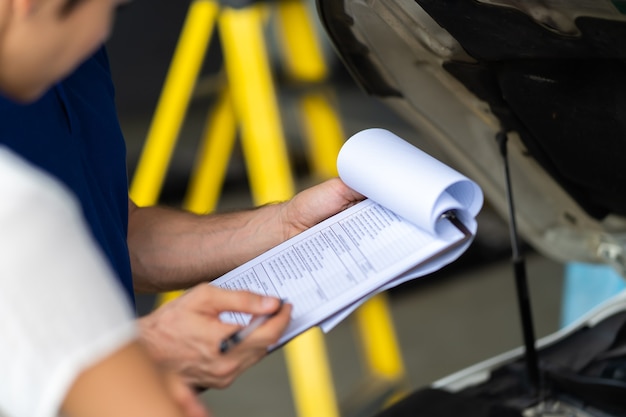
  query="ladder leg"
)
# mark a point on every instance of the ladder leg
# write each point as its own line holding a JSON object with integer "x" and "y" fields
{"x": 171, "y": 108}
{"x": 256, "y": 105}
{"x": 310, "y": 376}
{"x": 323, "y": 132}
{"x": 303, "y": 55}
{"x": 212, "y": 161}
{"x": 379, "y": 340}
{"x": 210, "y": 167}
{"x": 305, "y": 64}
{"x": 173, "y": 102}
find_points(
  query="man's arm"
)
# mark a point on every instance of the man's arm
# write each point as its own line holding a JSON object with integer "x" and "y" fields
{"x": 172, "y": 249}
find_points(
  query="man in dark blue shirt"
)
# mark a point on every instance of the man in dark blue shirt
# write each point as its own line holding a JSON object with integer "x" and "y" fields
{"x": 72, "y": 128}
{"x": 73, "y": 133}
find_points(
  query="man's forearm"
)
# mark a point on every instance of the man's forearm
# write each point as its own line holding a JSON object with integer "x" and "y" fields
{"x": 171, "y": 249}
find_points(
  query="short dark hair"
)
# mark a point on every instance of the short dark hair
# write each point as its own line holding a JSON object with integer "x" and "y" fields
{"x": 69, "y": 6}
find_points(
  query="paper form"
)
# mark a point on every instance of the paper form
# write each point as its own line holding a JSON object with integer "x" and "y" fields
{"x": 330, "y": 269}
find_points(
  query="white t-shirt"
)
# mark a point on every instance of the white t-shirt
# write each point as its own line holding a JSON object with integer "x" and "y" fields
{"x": 61, "y": 308}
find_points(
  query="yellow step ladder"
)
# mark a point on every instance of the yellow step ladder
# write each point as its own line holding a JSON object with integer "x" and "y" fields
{"x": 248, "y": 104}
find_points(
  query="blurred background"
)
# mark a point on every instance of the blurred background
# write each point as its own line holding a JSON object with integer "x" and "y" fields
{"x": 457, "y": 317}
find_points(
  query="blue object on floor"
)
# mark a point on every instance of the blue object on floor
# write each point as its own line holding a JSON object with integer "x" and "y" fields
{"x": 586, "y": 286}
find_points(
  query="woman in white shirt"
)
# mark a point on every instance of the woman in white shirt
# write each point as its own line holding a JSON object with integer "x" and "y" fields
{"x": 64, "y": 334}
{"x": 69, "y": 344}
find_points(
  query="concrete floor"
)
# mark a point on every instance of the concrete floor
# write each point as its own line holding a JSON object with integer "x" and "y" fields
{"x": 443, "y": 323}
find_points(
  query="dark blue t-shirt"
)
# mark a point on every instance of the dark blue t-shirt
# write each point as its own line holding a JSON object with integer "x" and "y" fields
{"x": 73, "y": 133}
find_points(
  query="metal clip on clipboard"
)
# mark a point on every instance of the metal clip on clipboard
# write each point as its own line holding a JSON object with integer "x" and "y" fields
{"x": 456, "y": 222}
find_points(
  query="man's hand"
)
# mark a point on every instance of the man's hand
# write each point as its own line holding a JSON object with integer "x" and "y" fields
{"x": 185, "y": 334}
{"x": 316, "y": 204}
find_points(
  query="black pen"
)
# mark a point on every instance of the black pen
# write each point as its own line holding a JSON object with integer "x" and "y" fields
{"x": 236, "y": 338}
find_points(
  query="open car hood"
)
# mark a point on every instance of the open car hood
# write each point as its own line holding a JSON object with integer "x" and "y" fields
{"x": 551, "y": 74}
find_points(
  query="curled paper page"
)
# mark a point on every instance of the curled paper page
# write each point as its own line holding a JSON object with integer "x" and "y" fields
{"x": 396, "y": 174}
{"x": 408, "y": 181}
